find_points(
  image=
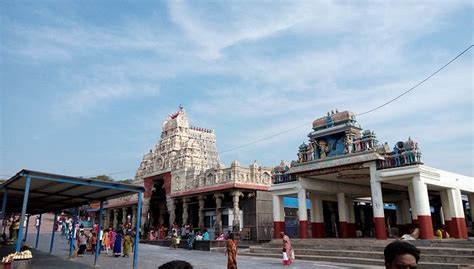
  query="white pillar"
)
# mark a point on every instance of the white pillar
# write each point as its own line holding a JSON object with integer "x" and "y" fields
{"x": 303, "y": 213}
{"x": 115, "y": 221}
{"x": 316, "y": 209}
{"x": 446, "y": 208}
{"x": 218, "y": 228}
{"x": 458, "y": 222}
{"x": 341, "y": 207}
{"x": 411, "y": 196}
{"x": 170, "y": 205}
{"x": 377, "y": 202}
{"x": 441, "y": 216}
{"x": 236, "y": 209}
{"x": 277, "y": 205}
{"x": 422, "y": 201}
{"x": 302, "y": 210}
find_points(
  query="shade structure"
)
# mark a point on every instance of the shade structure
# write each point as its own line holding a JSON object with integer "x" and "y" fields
{"x": 52, "y": 192}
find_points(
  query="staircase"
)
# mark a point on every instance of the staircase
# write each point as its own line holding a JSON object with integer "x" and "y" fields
{"x": 442, "y": 254}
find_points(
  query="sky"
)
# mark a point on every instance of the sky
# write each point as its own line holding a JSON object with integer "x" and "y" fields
{"x": 86, "y": 85}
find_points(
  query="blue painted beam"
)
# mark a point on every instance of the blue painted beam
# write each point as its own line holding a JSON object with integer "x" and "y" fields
{"x": 94, "y": 183}
{"x": 137, "y": 231}
{"x": 23, "y": 212}
{"x": 97, "y": 247}
{"x": 38, "y": 230}
{"x": 53, "y": 232}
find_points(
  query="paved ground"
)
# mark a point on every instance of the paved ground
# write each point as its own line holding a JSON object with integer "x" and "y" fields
{"x": 153, "y": 256}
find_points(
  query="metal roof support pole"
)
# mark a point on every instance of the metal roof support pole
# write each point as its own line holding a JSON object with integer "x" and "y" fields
{"x": 72, "y": 236}
{"x": 53, "y": 232}
{"x": 137, "y": 231}
{"x": 97, "y": 247}
{"x": 4, "y": 207}
{"x": 27, "y": 224}
{"x": 38, "y": 230}
{"x": 23, "y": 212}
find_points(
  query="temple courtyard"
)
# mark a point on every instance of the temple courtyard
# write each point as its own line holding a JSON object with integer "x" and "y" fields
{"x": 152, "y": 256}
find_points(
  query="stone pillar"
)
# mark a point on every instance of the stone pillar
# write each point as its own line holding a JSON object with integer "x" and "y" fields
{"x": 145, "y": 211}
{"x": 218, "y": 226}
{"x": 317, "y": 219}
{"x": 377, "y": 203}
{"x": 235, "y": 199}
{"x": 303, "y": 213}
{"x": 185, "y": 210}
{"x": 201, "y": 199}
{"x": 134, "y": 215}
{"x": 115, "y": 216}
{"x": 420, "y": 190}
{"x": 411, "y": 196}
{"x": 278, "y": 216}
{"x": 124, "y": 215}
{"x": 170, "y": 204}
{"x": 107, "y": 218}
{"x": 458, "y": 222}
{"x": 351, "y": 217}
{"x": 341, "y": 208}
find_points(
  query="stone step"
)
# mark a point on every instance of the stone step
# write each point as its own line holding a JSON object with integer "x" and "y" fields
{"x": 460, "y": 250}
{"x": 353, "y": 260}
{"x": 466, "y": 259}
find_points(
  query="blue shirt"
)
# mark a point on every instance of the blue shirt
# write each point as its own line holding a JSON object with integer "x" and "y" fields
{"x": 205, "y": 236}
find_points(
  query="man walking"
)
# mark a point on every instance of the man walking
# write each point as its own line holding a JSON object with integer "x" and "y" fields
{"x": 401, "y": 254}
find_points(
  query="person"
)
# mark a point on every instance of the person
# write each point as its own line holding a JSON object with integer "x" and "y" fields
{"x": 414, "y": 235}
{"x": 401, "y": 254}
{"x": 288, "y": 253}
{"x": 199, "y": 236}
{"x": 205, "y": 236}
{"x": 221, "y": 237}
{"x": 82, "y": 242}
{"x": 112, "y": 235}
{"x": 118, "y": 244}
{"x": 441, "y": 233}
{"x": 93, "y": 242}
{"x": 190, "y": 240}
{"x": 176, "y": 264}
{"x": 231, "y": 252}
{"x": 127, "y": 245}
{"x": 174, "y": 239}
{"x": 106, "y": 241}
{"x": 37, "y": 222}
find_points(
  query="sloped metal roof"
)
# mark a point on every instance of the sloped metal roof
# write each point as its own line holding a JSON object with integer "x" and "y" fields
{"x": 52, "y": 192}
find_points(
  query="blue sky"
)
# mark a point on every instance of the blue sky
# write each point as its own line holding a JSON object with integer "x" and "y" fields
{"x": 86, "y": 85}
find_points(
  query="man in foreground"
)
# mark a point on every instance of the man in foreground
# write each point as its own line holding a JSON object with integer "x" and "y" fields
{"x": 401, "y": 255}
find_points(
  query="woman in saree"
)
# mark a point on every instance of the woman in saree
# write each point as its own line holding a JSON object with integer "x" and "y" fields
{"x": 231, "y": 252}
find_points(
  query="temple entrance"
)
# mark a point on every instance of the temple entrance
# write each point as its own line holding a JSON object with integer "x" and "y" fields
{"x": 158, "y": 215}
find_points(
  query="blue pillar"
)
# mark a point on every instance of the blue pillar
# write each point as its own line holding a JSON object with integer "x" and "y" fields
{"x": 23, "y": 212}
{"x": 4, "y": 207}
{"x": 27, "y": 224}
{"x": 137, "y": 231}
{"x": 53, "y": 232}
{"x": 72, "y": 236}
{"x": 38, "y": 231}
{"x": 97, "y": 247}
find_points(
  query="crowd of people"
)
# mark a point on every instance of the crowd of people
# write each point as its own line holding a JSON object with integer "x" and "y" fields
{"x": 113, "y": 242}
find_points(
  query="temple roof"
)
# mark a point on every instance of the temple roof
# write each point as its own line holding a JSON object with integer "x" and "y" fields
{"x": 333, "y": 119}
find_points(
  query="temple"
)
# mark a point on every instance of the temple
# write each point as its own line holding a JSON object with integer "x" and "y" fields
{"x": 354, "y": 187}
{"x": 186, "y": 184}
{"x": 343, "y": 183}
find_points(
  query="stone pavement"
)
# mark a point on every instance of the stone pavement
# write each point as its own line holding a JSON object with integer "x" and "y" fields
{"x": 152, "y": 256}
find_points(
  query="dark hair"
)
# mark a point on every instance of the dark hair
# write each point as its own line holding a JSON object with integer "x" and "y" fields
{"x": 399, "y": 248}
{"x": 176, "y": 264}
